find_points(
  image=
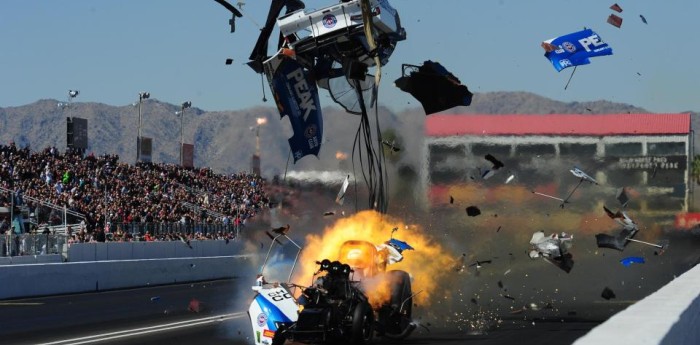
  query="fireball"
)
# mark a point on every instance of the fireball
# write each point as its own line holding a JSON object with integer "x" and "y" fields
{"x": 261, "y": 121}
{"x": 427, "y": 264}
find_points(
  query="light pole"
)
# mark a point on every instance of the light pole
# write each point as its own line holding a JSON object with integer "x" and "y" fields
{"x": 71, "y": 94}
{"x": 142, "y": 96}
{"x": 255, "y": 160}
{"x": 185, "y": 105}
{"x": 69, "y": 133}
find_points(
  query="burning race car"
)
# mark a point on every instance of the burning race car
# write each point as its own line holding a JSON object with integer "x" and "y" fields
{"x": 335, "y": 309}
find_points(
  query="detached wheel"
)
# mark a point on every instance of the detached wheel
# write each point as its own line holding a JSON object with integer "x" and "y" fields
{"x": 362, "y": 324}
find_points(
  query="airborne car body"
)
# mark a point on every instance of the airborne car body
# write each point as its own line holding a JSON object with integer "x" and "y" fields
{"x": 340, "y": 28}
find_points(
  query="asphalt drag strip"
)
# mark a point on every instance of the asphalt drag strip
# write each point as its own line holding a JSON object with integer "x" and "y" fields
{"x": 136, "y": 332}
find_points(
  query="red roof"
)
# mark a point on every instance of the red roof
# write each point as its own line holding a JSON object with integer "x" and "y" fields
{"x": 443, "y": 125}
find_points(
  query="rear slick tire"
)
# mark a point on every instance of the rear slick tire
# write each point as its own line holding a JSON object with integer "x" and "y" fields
{"x": 362, "y": 325}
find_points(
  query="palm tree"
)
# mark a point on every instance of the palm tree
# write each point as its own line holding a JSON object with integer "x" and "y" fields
{"x": 695, "y": 170}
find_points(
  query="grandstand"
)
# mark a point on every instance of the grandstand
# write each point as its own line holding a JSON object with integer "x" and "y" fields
{"x": 58, "y": 198}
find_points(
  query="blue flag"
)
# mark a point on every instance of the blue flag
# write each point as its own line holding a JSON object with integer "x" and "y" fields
{"x": 296, "y": 96}
{"x": 574, "y": 49}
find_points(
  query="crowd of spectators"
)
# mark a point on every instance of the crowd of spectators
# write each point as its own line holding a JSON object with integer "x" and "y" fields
{"x": 113, "y": 195}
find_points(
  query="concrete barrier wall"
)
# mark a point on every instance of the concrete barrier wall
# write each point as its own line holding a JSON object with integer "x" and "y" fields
{"x": 81, "y": 252}
{"x": 30, "y": 259}
{"x": 25, "y": 280}
{"x": 670, "y": 315}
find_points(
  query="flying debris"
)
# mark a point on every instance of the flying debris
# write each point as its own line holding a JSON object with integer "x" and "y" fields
{"x": 281, "y": 230}
{"x": 229, "y": 61}
{"x": 341, "y": 194}
{"x": 644, "y": 20}
{"x": 629, "y": 229}
{"x": 607, "y": 293}
{"x": 452, "y": 200}
{"x": 329, "y": 213}
{"x": 615, "y": 7}
{"x": 553, "y": 248}
{"x": 272, "y": 237}
{"x": 277, "y": 231}
{"x": 621, "y": 217}
{"x": 479, "y": 263}
{"x": 194, "y": 306}
{"x": 615, "y": 20}
{"x": 628, "y": 261}
{"x": 473, "y": 211}
{"x": 510, "y": 178}
{"x": 582, "y": 177}
{"x": 434, "y": 87}
{"x": 622, "y": 197}
{"x": 615, "y": 242}
{"x": 391, "y": 145}
{"x": 296, "y": 97}
{"x": 496, "y": 164}
{"x": 460, "y": 266}
{"x": 399, "y": 245}
{"x": 575, "y": 49}
{"x": 185, "y": 241}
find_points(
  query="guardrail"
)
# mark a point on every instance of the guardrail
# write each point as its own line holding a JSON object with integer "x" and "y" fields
{"x": 670, "y": 316}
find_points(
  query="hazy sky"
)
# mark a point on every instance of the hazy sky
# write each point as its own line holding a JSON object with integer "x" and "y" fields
{"x": 112, "y": 49}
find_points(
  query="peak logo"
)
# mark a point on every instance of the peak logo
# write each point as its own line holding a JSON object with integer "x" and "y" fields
{"x": 302, "y": 91}
{"x": 591, "y": 42}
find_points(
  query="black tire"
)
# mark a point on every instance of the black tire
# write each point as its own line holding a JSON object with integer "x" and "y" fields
{"x": 362, "y": 324}
{"x": 280, "y": 336}
{"x": 395, "y": 317}
{"x": 401, "y": 292}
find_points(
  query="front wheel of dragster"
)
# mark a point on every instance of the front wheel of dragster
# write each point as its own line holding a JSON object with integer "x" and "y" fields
{"x": 280, "y": 336}
{"x": 395, "y": 317}
{"x": 362, "y": 324}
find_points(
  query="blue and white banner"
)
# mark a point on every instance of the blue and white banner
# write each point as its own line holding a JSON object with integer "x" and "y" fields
{"x": 574, "y": 49}
{"x": 296, "y": 96}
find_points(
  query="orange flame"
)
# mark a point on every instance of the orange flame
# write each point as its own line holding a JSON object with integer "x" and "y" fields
{"x": 426, "y": 264}
{"x": 341, "y": 155}
{"x": 261, "y": 121}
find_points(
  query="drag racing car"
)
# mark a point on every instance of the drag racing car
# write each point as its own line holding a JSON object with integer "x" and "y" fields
{"x": 335, "y": 308}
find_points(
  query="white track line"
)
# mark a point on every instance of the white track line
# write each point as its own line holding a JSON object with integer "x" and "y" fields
{"x": 146, "y": 330}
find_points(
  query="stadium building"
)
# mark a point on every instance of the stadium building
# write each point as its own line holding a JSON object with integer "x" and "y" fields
{"x": 648, "y": 152}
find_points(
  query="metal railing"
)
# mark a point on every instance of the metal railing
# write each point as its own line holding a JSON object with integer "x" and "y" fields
{"x": 64, "y": 209}
{"x": 33, "y": 244}
{"x": 197, "y": 208}
{"x": 160, "y": 229}
{"x": 57, "y": 241}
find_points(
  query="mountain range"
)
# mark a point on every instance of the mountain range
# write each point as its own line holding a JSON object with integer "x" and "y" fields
{"x": 226, "y": 140}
